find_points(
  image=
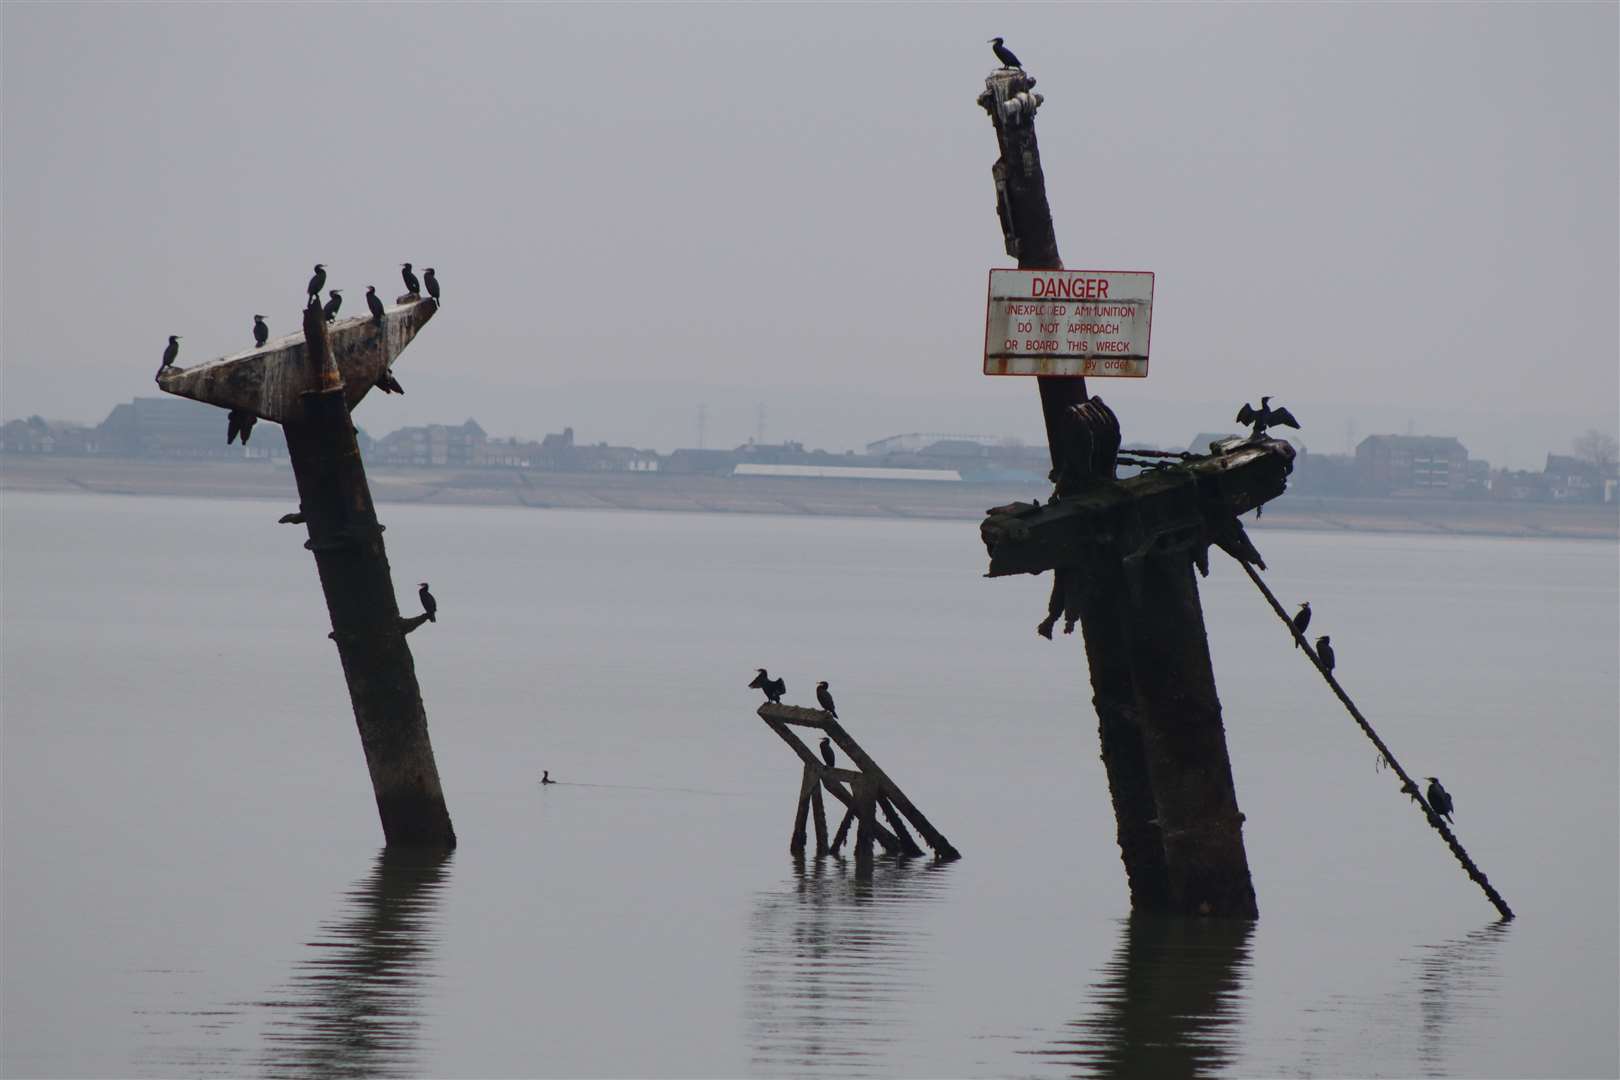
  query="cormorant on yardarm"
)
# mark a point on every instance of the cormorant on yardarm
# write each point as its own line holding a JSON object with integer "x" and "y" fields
{"x": 334, "y": 301}
{"x": 239, "y": 422}
{"x": 430, "y": 606}
{"x": 1004, "y": 54}
{"x": 1439, "y": 798}
{"x": 388, "y": 384}
{"x": 1301, "y": 619}
{"x": 1265, "y": 417}
{"x": 432, "y": 283}
{"x": 412, "y": 286}
{"x": 826, "y": 752}
{"x": 774, "y": 688}
{"x": 316, "y": 284}
{"x": 170, "y": 353}
{"x": 261, "y": 332}
{"x": 1324, "y": 653}
{"x": 374, "y": 302}
{"x": 545, "y": 777}
{"x": 825, "y": 699}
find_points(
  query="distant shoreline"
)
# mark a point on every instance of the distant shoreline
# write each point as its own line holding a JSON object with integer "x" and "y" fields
{"x": 766, "y": 495}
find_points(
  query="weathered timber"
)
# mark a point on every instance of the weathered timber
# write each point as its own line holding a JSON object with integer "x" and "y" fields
{"x": 866, "y": 825}
{"x": 806, "y": 785}
{"x": 832, "y": 783}
{"x": 843, "y": 828}
{"x": 1118, "y": 553}
{"x": 818, "y": 814}
{"x": 271, "y": 382}
{"x": 792, "y": 714}
{"x": 907, "y": 844}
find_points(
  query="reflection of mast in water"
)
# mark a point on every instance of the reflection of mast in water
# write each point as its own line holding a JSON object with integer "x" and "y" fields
{"x": 829, "y": 958}
{"x": 354, "y": 1005}
{"x": 1167, "y": 1004}
{"x": 1455, "y": 979}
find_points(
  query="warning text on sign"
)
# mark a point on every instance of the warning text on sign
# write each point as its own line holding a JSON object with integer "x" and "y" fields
{"x": 1068, "y": 322}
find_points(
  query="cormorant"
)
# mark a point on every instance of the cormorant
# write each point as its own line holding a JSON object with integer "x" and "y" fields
{"x": 774, "y": 688}
{"x": 334, "y": 301}
{"x": 170, "y": 353}
{"x": 825, "y": 699}
{"x": 429, "y": 605}
{"x": 1439, "y": 798}
{"x": 1324, "y": 652}
{"x": 1004, "y": 54}
{"x": 388, "y": 384}
{"x": 1301, "y": 619}
{"x": 1265, "y": 417}
{"x": 316, "y": 284}
{"x": 545, "y": 777}
{"x": 412, "y": 286}
{"x": 826, "y": 751}
{"x": 261, "y": 332}
{"x": 432, "y": 283}
{"x": 374, "y": 302}
{"x": 240, "y": 422}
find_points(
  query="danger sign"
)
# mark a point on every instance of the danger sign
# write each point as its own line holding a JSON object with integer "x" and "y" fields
{"x": 1068, "y": 322}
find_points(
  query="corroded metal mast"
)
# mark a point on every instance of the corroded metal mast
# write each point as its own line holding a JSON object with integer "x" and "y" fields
{"x": 1122, "y": 557}
{"x": 308, "y": 382}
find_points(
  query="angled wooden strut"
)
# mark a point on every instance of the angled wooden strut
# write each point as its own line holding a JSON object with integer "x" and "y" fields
{"x": 870, "y": 790}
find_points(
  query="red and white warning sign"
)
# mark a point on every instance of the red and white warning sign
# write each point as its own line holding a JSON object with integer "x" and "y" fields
{"x": 1068, "y": 322}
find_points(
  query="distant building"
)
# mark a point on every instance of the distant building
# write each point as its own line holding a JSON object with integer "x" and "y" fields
{"x": 914, "y": 441}
{"x": 1573, "y": 479}
{"x": 701, "y": 462}
{"x": 559, "y": 452}
{"x": 36, "y": 435}
{"x": 172, "y": 427}
{"x": 434, "y": 444}
{"x": 1411, "y": 464}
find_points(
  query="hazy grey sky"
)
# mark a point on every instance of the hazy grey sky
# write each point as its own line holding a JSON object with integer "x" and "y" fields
{"x": 1397, "y": 214}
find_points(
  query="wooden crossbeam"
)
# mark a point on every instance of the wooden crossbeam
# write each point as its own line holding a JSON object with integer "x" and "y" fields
{"x": 885, "y": 792}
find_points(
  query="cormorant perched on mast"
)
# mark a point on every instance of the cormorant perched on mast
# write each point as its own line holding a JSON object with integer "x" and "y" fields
{"x": 374, "y": 302}
{"x": 261, "y": 332}
{"x": 1439, "y": 798}
{"x": 432, "y": 284}
{"x": 317, "y": 283}
{"x": 429, "y": 605}
{"x": 826, "y": 752}
{"x": 334, "y": 301}
{"x": 1004, "y": 54}
{"x": 170, "y": 353}
{"x": 825, "y": 699}
{"x": 1324, "y": 653}
{"x": 412, "y": 286}
{"x": 1265, "y": 417}
{"x": 1301, "y": 619}
{"x": 774, "y": 688}
{"x": 240, "y": 422}
{"x": 545, "y": 777}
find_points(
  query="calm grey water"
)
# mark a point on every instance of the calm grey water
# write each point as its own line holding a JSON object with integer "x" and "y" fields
{"x": 193, "y": 883}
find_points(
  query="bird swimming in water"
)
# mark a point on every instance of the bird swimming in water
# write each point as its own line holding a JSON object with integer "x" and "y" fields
{"x": 825, "y": 699}
{"x": 1004, "y": 54}
{"x": 774, "y": 688}
{"x": 334, "y": 301}
{"x": 170, "y": 353}
{"x": 1439, "y": 798}
{"x": 1301, "y": 619}
{"x": 545, "y": 777}
{"x": 1324, "y": 653}
{"x": 261, "y": 332}
{"x": 240, "y": 422}
{"x": 317, "y": 283}
{"x": 429, "y": 605}
{"x": 432, "y": 284}
{"x": 827, "y": 753}
{"x": 412, "y": 286}
{"x": 374, "y": 302}
{"x": 388, "y": 384}
{"x": 1265, "y": 417}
